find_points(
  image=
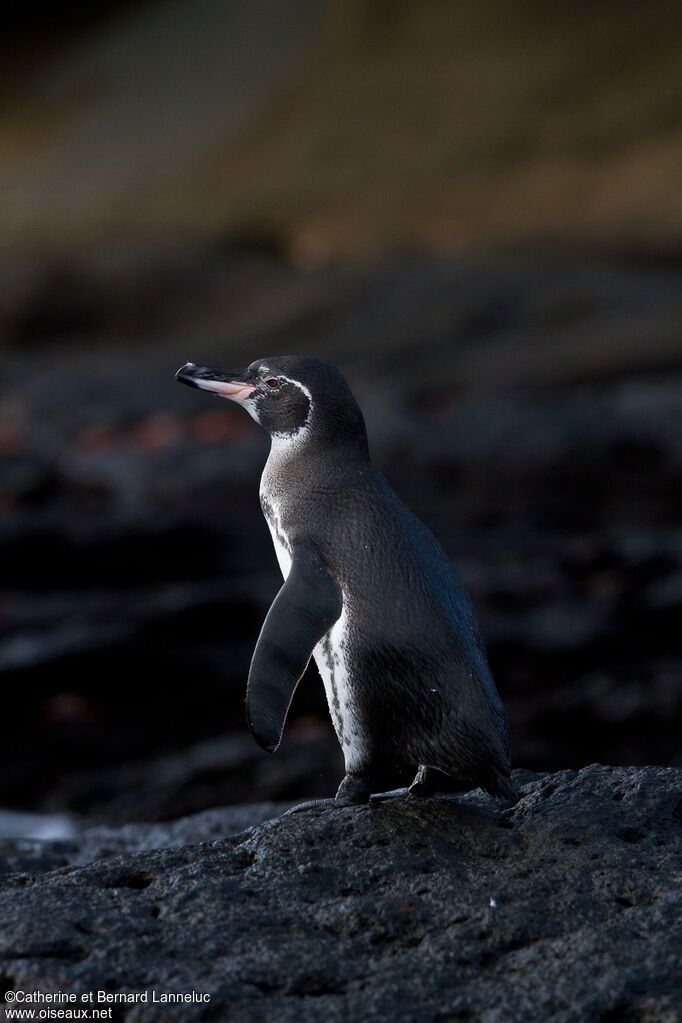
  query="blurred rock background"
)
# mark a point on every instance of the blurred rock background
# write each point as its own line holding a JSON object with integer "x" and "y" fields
{"x": 475, "y": 210}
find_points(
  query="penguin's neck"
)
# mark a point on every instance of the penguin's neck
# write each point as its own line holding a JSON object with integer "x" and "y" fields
{"x": 303, "y": 463}
{"x": 311, "y": 446}
{"x": 288, "y": 447}
{"x": 288, "y": 458}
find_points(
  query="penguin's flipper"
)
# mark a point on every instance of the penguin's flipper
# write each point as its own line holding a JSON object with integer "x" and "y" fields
{"x": 306, "y": 607}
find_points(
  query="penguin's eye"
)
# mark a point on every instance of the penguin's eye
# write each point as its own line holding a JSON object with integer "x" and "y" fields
{"x": 272, "y": 382}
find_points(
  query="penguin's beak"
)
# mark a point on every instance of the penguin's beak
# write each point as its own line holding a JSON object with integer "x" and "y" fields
{"x": 217, "y": 379}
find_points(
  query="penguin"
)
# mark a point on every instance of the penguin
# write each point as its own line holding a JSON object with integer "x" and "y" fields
{"x": 368, "y": 593}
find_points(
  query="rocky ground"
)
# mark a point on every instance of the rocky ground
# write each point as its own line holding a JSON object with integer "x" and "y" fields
{"x": 564, "y": 909}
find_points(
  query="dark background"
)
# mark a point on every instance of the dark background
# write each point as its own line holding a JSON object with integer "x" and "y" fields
{"x": 475, "y": 211}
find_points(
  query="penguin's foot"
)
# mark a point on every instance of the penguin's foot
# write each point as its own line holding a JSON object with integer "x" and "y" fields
{"x": 380, "y": 797}
{"x": 355, "y": 788}
{"x": 359, "y": 788}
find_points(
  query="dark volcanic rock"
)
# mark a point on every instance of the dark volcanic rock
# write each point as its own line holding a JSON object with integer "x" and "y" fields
{"x": 37, "y": 856}
{"x": 566, "y": 908}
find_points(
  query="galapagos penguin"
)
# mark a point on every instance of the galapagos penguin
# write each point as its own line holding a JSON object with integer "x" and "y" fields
{"x": 368, "y": 592}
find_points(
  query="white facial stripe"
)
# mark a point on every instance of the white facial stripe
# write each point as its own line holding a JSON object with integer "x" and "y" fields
{"x": 301, "y": 387}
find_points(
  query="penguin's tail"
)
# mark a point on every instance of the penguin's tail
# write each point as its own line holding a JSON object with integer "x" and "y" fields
{"x": 502, "y": 787}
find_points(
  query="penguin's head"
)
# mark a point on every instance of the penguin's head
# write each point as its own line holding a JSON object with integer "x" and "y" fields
{"x": 290, "y": 396}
